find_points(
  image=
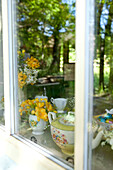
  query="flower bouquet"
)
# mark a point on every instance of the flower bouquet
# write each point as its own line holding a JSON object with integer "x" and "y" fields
{"x": 37, "y": 110}
{"x": 27, "y": 69}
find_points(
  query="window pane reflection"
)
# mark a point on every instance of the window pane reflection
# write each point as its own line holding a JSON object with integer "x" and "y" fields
{"x": 103, "y": 86}
{"x": 46, "y": 78}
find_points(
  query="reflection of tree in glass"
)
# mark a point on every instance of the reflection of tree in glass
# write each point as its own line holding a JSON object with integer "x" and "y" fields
{"x": 43, "y": 28}
{"x": 104, "y": 47}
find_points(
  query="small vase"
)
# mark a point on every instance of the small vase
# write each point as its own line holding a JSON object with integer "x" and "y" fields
{"x": 37, "y": 126}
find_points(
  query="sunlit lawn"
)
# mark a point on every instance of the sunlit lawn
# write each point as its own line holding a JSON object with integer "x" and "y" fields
{"x": 96, "y": 77}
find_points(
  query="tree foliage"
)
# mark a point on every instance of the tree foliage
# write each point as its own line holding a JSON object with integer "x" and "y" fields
{"x": 104, "y": 40}
{"x": 42, "y": 26}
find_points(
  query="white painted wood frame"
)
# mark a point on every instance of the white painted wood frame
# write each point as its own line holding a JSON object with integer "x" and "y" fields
{"x": 84, "y": 82}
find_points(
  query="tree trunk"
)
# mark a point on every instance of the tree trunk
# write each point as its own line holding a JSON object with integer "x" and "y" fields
{"x": 109, "y": 23}
{"x": 111, "y": 71}
{"x": 100, "y": 44}
{"x": 101, "y": 75}
{"x": 54, "y": 68}
{"x": 66, "y": 52}
{"x": 111, "y": 66}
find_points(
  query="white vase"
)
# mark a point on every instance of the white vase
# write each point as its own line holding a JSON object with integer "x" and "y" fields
{"x": 37, "y": 126}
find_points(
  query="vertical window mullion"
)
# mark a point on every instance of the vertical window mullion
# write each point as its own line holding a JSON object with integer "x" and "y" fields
{"x": 83, "y": 83}
{"x": 8, "y": 65}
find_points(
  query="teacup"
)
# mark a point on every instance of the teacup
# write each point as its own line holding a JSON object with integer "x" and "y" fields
{"x": 60, "y": 103}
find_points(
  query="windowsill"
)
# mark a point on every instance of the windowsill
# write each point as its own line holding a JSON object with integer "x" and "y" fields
{"x": 46, "y": 143}
{"x": 24, "y": 155}
{"x": 45, "y": 140}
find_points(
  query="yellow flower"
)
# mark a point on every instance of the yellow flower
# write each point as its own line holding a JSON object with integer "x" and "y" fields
{"x": 32, "y": 112}
{"x": 28, "y": 107}
{"x": 49, "y": 106}
{"x": 40, "y": 109}
{"x": 21, "y": 79}
{"x": 23, "y": 51}
{"x": 37, "y": 109}
{"x": 40, "y": 104}
{"x": 43, "y": 115}
{"x": 55, "y": 111}
{"x": 32, "y": 63}
{"x": 30, "y": 103}
{"x": 37, "y": 100}
{"x": 20, "y": 110}
{"x": 38, "y": 119}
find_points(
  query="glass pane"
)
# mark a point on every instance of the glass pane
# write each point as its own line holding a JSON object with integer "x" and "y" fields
{"x": 46, "y": 74}
{"x": 103, "y": 87}
{"x": 2, "y": 122}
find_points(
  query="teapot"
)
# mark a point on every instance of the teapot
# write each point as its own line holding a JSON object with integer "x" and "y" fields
{"x": 62, "y": 132}
{"x": 95, "y": 128}
{"x": 60, "y": 104}
{"x": 109, "y": 111}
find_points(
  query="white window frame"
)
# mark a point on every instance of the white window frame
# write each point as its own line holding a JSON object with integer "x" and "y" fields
{"x": 8, "y": 72}
{"x": 84, "y": 82}
{"x": 83, "y": 89}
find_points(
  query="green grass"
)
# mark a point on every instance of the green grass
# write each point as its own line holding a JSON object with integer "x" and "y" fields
{"x": 96, "y": 78}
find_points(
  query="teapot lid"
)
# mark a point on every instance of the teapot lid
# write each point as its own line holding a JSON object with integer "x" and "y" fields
{"x": 65, "y": 122}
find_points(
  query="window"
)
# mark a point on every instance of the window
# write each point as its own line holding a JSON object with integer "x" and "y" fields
{"x": 45, "y": 63}
{"x": 41, "y": 59}
{"x": 102, "y": 97}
